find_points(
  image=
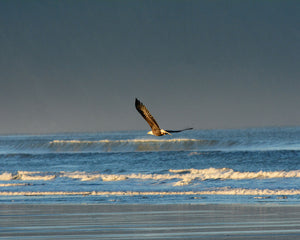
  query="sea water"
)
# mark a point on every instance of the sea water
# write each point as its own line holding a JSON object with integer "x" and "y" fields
{"x": 197, "y": 166}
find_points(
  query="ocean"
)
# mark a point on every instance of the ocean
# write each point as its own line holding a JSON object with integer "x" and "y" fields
{"x": 255, "y": 165}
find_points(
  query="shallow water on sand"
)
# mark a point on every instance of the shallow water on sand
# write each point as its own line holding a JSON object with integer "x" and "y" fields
{"x": 149, "y": 221}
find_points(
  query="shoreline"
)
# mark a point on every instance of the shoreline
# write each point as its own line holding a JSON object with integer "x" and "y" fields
{"x": 150, "y": 221}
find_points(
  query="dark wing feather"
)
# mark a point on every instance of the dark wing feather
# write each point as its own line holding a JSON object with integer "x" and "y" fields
{"x": 173, "y": 131}
{"x": 146, "y": 115}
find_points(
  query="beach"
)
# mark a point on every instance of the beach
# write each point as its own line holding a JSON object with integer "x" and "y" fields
{"x": 152, "y": 221}
{"x": 203, "y": 184}
{"x": 149, "y": 120}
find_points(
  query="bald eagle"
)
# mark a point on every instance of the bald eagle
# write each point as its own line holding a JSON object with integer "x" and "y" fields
{"x": 155, "y": 129}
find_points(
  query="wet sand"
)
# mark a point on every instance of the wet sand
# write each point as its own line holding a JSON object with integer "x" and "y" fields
{"x": 182, "y": 221}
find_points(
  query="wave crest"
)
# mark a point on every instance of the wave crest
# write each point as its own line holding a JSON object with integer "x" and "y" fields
{"x": 180, "y": 177}
{"x": 222, "y": 191}
{"x": 105, "y": 145}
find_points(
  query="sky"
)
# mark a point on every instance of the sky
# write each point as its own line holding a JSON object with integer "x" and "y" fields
{"x": 77, "y": 66}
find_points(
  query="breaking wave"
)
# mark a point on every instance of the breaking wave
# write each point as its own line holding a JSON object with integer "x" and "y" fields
{"x": 131, "y": 145}
{"x": 153, "y": 145}
{"x": 105, "y": 145}
{"x": 179, "y": 177}
{"x": 221, "y": 191}
{"x": 137, "y": 145}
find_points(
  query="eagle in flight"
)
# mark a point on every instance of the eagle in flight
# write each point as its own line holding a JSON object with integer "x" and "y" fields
{"x": 156, "y": 130}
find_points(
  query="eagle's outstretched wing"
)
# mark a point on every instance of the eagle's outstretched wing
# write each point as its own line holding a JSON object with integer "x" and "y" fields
{"x": 146, "y": 115}
{"x": 174, "y": 131}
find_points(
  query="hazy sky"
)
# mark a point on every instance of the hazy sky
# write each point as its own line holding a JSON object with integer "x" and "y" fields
{"x": 78, "y": 65}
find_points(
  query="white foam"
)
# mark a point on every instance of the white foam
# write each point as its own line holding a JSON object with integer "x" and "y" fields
{"x": 186, "y": 176}
{"x": 34, "y": 176}
{"x": 227, "y": 173}
{"x": 180, "y": 177}
{"x": 6, "y": 176}
{"x": 113, "y": 177}
{"x": 83, "y": 176}
{"x": 12, "y": 184}
{"x": 124, "y": 141}
{"x": 221, "y": 191}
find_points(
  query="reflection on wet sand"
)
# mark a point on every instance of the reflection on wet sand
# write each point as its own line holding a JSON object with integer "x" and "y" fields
{"x": 232, "y": 221}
